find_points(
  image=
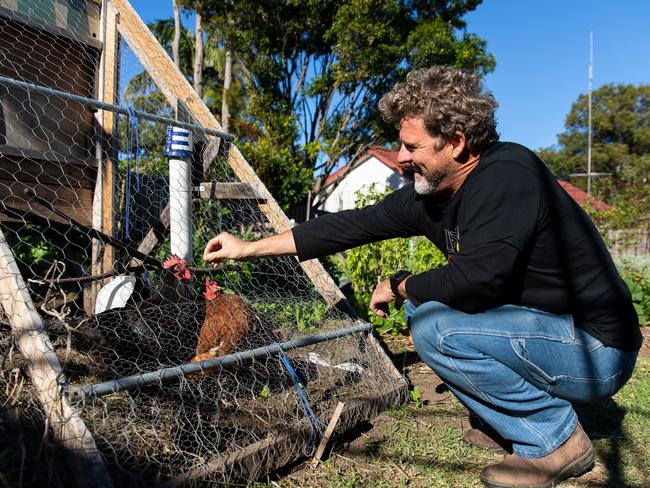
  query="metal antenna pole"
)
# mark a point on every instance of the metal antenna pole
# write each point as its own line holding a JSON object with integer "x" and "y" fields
{"x": 591, "y": 72}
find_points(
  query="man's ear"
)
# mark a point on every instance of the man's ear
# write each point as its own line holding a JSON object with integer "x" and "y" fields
{"x": 458, "y": 144}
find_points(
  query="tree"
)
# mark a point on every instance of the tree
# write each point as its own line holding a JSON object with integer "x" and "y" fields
{"x": 620, "y": 147}
{"x": 203, "y": 65}
{"x": 314, "y": 71}
{"x": 176, "y": 56}
{"x": 198, "y": 56}
{"x": 227, "y": 80}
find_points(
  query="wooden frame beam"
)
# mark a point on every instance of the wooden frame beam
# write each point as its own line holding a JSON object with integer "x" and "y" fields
{"x": 105, "y": 199}
{"x": 46, "y": 374}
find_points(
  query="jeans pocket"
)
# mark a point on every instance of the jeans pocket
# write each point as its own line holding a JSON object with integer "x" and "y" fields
{"x": 587, "y": 390}
{"x": 536, "y": 375}
{"x": 609, "y": 371}
{"x": 586, "y": 340}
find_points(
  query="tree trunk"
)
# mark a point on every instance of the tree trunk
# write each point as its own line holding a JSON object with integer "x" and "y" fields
{"x": 198, "y": 57}
{"x": 227, "y": 78}
{"x": 177, "y": 35}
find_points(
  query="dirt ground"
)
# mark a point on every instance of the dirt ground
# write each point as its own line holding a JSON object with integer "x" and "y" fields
{"x": 440, "y": 409}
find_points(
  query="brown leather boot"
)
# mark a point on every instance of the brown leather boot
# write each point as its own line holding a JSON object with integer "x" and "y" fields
{"x": 483, "y": 436}
{"x": 573, "y": 458}
{"x": 487, "y": 439}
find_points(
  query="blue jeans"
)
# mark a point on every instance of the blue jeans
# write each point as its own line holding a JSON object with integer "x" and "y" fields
{"x": 518, "y": 368}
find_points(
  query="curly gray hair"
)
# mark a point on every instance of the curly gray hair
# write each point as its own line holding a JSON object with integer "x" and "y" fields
{"x": 449, "y": 100}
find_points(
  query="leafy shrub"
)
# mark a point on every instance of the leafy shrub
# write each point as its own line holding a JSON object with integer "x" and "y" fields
{"x": 305, "y": 316}
{"x": 34, "y": 253}
{"x": 368, "y": 265}
{"x": 635, "y": 271}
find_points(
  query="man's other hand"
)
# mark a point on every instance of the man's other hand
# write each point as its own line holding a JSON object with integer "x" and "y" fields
{"x": 381, "y": 297}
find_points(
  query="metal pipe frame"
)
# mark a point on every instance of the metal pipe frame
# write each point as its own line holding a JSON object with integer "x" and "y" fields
{"x": 90, "y": 102}
{"x": 76, "y": 394}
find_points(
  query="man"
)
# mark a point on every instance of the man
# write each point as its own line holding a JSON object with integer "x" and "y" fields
{"x": 528, "y": 315}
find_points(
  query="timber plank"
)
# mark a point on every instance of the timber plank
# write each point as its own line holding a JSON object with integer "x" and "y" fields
{"x": 230, "y": 191}
{"x": 75, "y": 202}
{"x": 56, "y": 173}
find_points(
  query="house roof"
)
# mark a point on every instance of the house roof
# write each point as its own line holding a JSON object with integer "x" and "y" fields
{"x": 582, "y": 197}
{"x": 389, "y": 158}
{"x": 386, "y": 156}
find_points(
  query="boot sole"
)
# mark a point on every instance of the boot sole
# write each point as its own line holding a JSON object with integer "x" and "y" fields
{"x": 580, "y": 466}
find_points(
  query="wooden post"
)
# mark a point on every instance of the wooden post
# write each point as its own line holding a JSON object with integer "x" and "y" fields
{"x": 47, "y": 377}
{"x": 103, "y": 257}
{"x": 175, "y": 87}
{"x": 328, "y": 433}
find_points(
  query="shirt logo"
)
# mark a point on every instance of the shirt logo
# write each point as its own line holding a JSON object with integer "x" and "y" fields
{"x": 452, "y": 238}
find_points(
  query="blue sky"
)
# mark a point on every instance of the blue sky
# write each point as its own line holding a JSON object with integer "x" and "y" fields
{"x": 542, "y": 53}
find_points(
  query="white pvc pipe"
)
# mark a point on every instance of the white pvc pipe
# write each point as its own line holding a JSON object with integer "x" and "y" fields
{"x": 179, "y": 148}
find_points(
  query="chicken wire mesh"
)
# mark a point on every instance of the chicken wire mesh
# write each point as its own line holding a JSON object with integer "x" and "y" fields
{"x": 114, "y": 307}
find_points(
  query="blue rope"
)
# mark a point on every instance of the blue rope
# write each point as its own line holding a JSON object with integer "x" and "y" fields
{"x": 315, "y": 425}
{"x": 133, "y": 119}
{"x": 133, "y": 135}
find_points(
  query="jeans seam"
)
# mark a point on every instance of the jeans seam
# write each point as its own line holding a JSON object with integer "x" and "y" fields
{"x": 478, "y": 392}
{"x": 609, "y": 379}
{"x": 546, "y": 379}
{"x": 496, "y": 334}
{"x": 547, "y": 445}
{"x": 611, "y": 382}
{"x": 552, "y": 447}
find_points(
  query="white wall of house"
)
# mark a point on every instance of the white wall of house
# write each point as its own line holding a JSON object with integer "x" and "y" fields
{"x": 369, "y": 172}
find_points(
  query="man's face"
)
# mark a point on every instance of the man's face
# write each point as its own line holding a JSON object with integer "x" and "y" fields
{"x": 432, "y": 161}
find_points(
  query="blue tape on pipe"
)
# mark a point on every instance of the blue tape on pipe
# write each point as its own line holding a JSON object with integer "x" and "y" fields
{"x": 179, "y": 142}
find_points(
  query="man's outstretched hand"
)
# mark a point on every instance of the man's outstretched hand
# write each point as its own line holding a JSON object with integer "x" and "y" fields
{"x": 227, "y": 246}
{"x": 224, "y": 246}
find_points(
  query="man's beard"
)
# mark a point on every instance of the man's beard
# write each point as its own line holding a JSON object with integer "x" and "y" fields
{"x": 429, "y": 182}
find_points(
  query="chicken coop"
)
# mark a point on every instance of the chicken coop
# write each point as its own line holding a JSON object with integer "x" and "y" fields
{"x": 126, "y": 361}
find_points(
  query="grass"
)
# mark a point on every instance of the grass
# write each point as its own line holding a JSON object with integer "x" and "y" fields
{"x": 420, "y": 445}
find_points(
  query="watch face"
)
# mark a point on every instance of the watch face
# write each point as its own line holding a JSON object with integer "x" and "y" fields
{"x": 400, "y": 275}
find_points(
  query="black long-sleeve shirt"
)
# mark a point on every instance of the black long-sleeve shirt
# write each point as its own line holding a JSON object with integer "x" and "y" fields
{"x": 511, "y": 235}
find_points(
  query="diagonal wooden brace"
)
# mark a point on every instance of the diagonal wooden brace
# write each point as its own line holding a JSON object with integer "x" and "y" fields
{"x": 47, "y": 377}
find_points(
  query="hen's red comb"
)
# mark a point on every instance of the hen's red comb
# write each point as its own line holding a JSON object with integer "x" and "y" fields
{"x": 179, "y": 266}
{"x": 211, "y": 289}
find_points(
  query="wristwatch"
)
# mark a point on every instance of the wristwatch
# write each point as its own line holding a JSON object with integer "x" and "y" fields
{"x": 396, "y": 279}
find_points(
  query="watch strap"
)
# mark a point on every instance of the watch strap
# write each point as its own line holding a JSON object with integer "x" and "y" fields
{"x": 397, "y": 279}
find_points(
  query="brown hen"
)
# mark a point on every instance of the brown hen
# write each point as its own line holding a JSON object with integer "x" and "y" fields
{"x": 228, "y": 322}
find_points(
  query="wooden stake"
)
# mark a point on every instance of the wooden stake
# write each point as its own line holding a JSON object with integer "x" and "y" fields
{"x": 328, "y": 433}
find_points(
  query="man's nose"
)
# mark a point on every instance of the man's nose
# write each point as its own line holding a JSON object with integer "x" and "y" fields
{"x": 404, "y": 155}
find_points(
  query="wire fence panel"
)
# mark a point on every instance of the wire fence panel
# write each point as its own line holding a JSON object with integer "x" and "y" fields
{"x": 87, "y": 212}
